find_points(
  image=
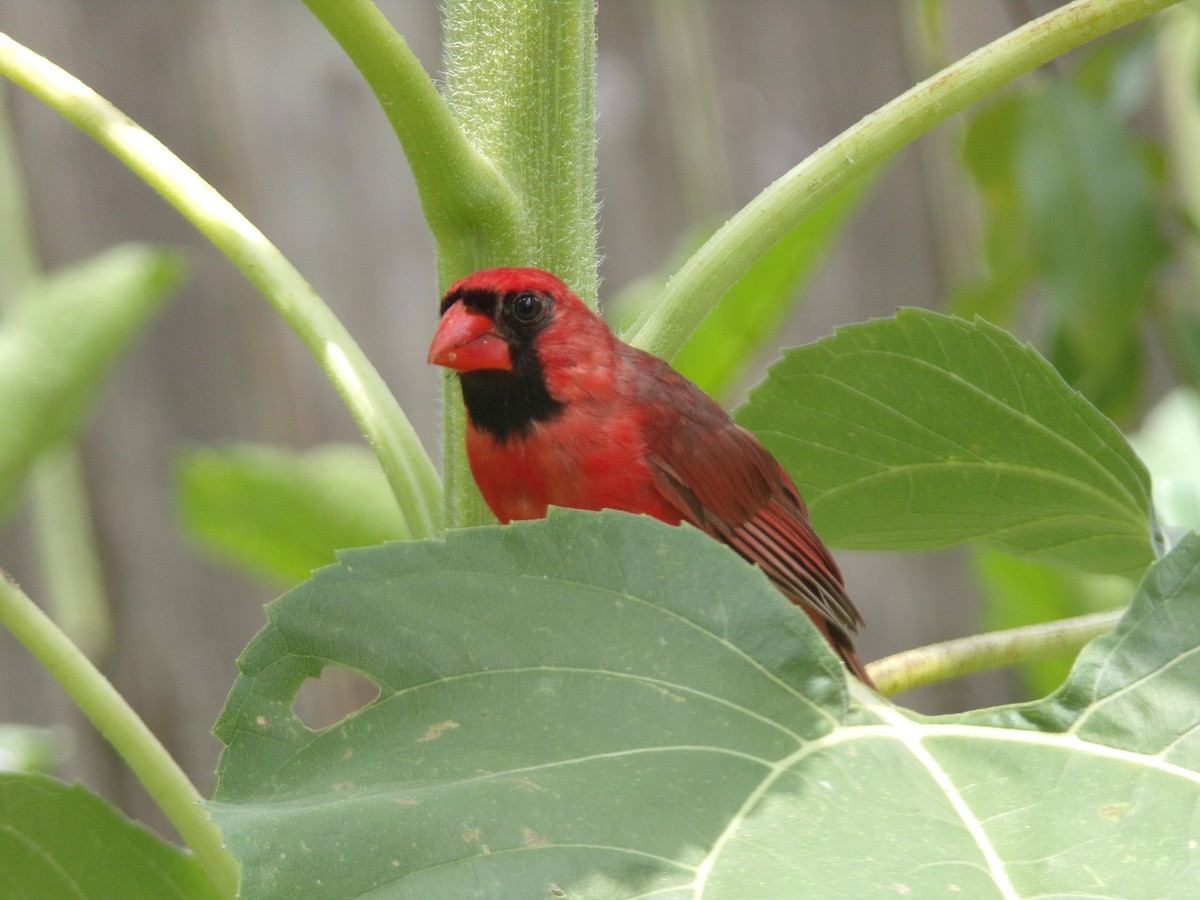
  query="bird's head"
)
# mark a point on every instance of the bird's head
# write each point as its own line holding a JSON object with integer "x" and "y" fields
{"x": 491, "y": 320}
{"x": 518, "y": 338}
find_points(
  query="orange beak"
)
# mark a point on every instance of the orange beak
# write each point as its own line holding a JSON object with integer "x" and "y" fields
{"x": 466, "y": 341}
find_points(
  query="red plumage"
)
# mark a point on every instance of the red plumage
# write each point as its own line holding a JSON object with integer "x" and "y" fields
{"x": 560, "y": 412}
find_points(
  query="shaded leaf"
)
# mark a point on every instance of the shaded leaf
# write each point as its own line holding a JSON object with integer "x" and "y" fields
{"x": 1092, "y": 212}
{"x": 280, "y": 514}
{"x": 59, "y": 840}
{"x": 58, "y": 345}
{"x": 989, "y": 149}
{"x": 924, "y": 431}
{"x": 750, "y": 312}
{"x": 601, "y": 706}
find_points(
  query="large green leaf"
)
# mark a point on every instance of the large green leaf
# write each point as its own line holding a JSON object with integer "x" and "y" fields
{"x": 59, "y": 343}
{"x": 924, "y": 431}
{"x": 59, "y": 840}
{"x": 601, "y": 706}
{"x": 279, "y": 513}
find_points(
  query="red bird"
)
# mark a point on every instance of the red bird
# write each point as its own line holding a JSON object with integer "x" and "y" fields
{"x": 560, "y": 412}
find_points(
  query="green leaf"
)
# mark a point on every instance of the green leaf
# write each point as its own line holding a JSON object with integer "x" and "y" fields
{"x": 280, "y": 514}
{"x": 58, "y": 345}
{"x": 924, "y": 431}
{"x": 751, "y": 311}
{"x": 989, "y": 149}
{"x": 601, "y": 706}
{"x": 59, "y": 840}
{"x": 1092, "y": 212}
{"x": 1119, "y": 71}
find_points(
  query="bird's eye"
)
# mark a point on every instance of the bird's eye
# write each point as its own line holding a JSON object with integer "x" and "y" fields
{"x": 528, "y": 308}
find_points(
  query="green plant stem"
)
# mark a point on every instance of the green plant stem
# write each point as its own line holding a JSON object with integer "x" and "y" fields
{"x": 387, "y": 430}
{"x": 66, "y": 537}
{"x": 952, "y": 659}
{"x": 69, "y": 558}
{"x": 520, "y": 81}
{"x": 122, "y": 728}
{"x": 692, "y": 293}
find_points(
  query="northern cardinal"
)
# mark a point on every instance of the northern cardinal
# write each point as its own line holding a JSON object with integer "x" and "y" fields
{"x": 560, "y": 412}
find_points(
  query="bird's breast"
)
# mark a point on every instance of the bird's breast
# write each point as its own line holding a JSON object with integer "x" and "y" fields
{"x": 579, "y": 461}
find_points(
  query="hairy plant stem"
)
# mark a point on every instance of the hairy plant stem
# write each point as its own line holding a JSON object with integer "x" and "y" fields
{"x": 704, "y": 279}
{"x": 520, "y": 82}
{"x": 384, "y": 425}
{"x": 504, "y": 164}
{"x": 951, "y": 659}
{"x": 121, "y": 726}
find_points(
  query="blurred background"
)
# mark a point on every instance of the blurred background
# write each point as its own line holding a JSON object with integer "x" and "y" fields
{"x": 260, "y": 101}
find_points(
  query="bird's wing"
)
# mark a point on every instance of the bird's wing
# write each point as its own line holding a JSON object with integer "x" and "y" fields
{"x": 722, "y": 480}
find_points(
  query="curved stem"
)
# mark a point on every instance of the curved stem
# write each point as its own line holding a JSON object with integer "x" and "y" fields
{"x": 950, "y": 659}
{"x": 387, "y": 430}
{"x": 695, "y": 290}
{"x": 154, "y": 767}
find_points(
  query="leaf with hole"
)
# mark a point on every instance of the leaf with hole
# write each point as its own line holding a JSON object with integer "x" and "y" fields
{"x": 602, "y": 706}
{"x": 923, "y": 431}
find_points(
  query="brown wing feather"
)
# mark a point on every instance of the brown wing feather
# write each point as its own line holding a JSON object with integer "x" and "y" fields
{"x": 723, "y": 481}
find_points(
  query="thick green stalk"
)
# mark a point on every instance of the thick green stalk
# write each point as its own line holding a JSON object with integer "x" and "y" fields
{"x": 387, "y": 430}
{"x": 520, "y": 81}
{"x": 702, "y": 281}
{"x": 120, "y": 725}
{"x": 952, "y": 659}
